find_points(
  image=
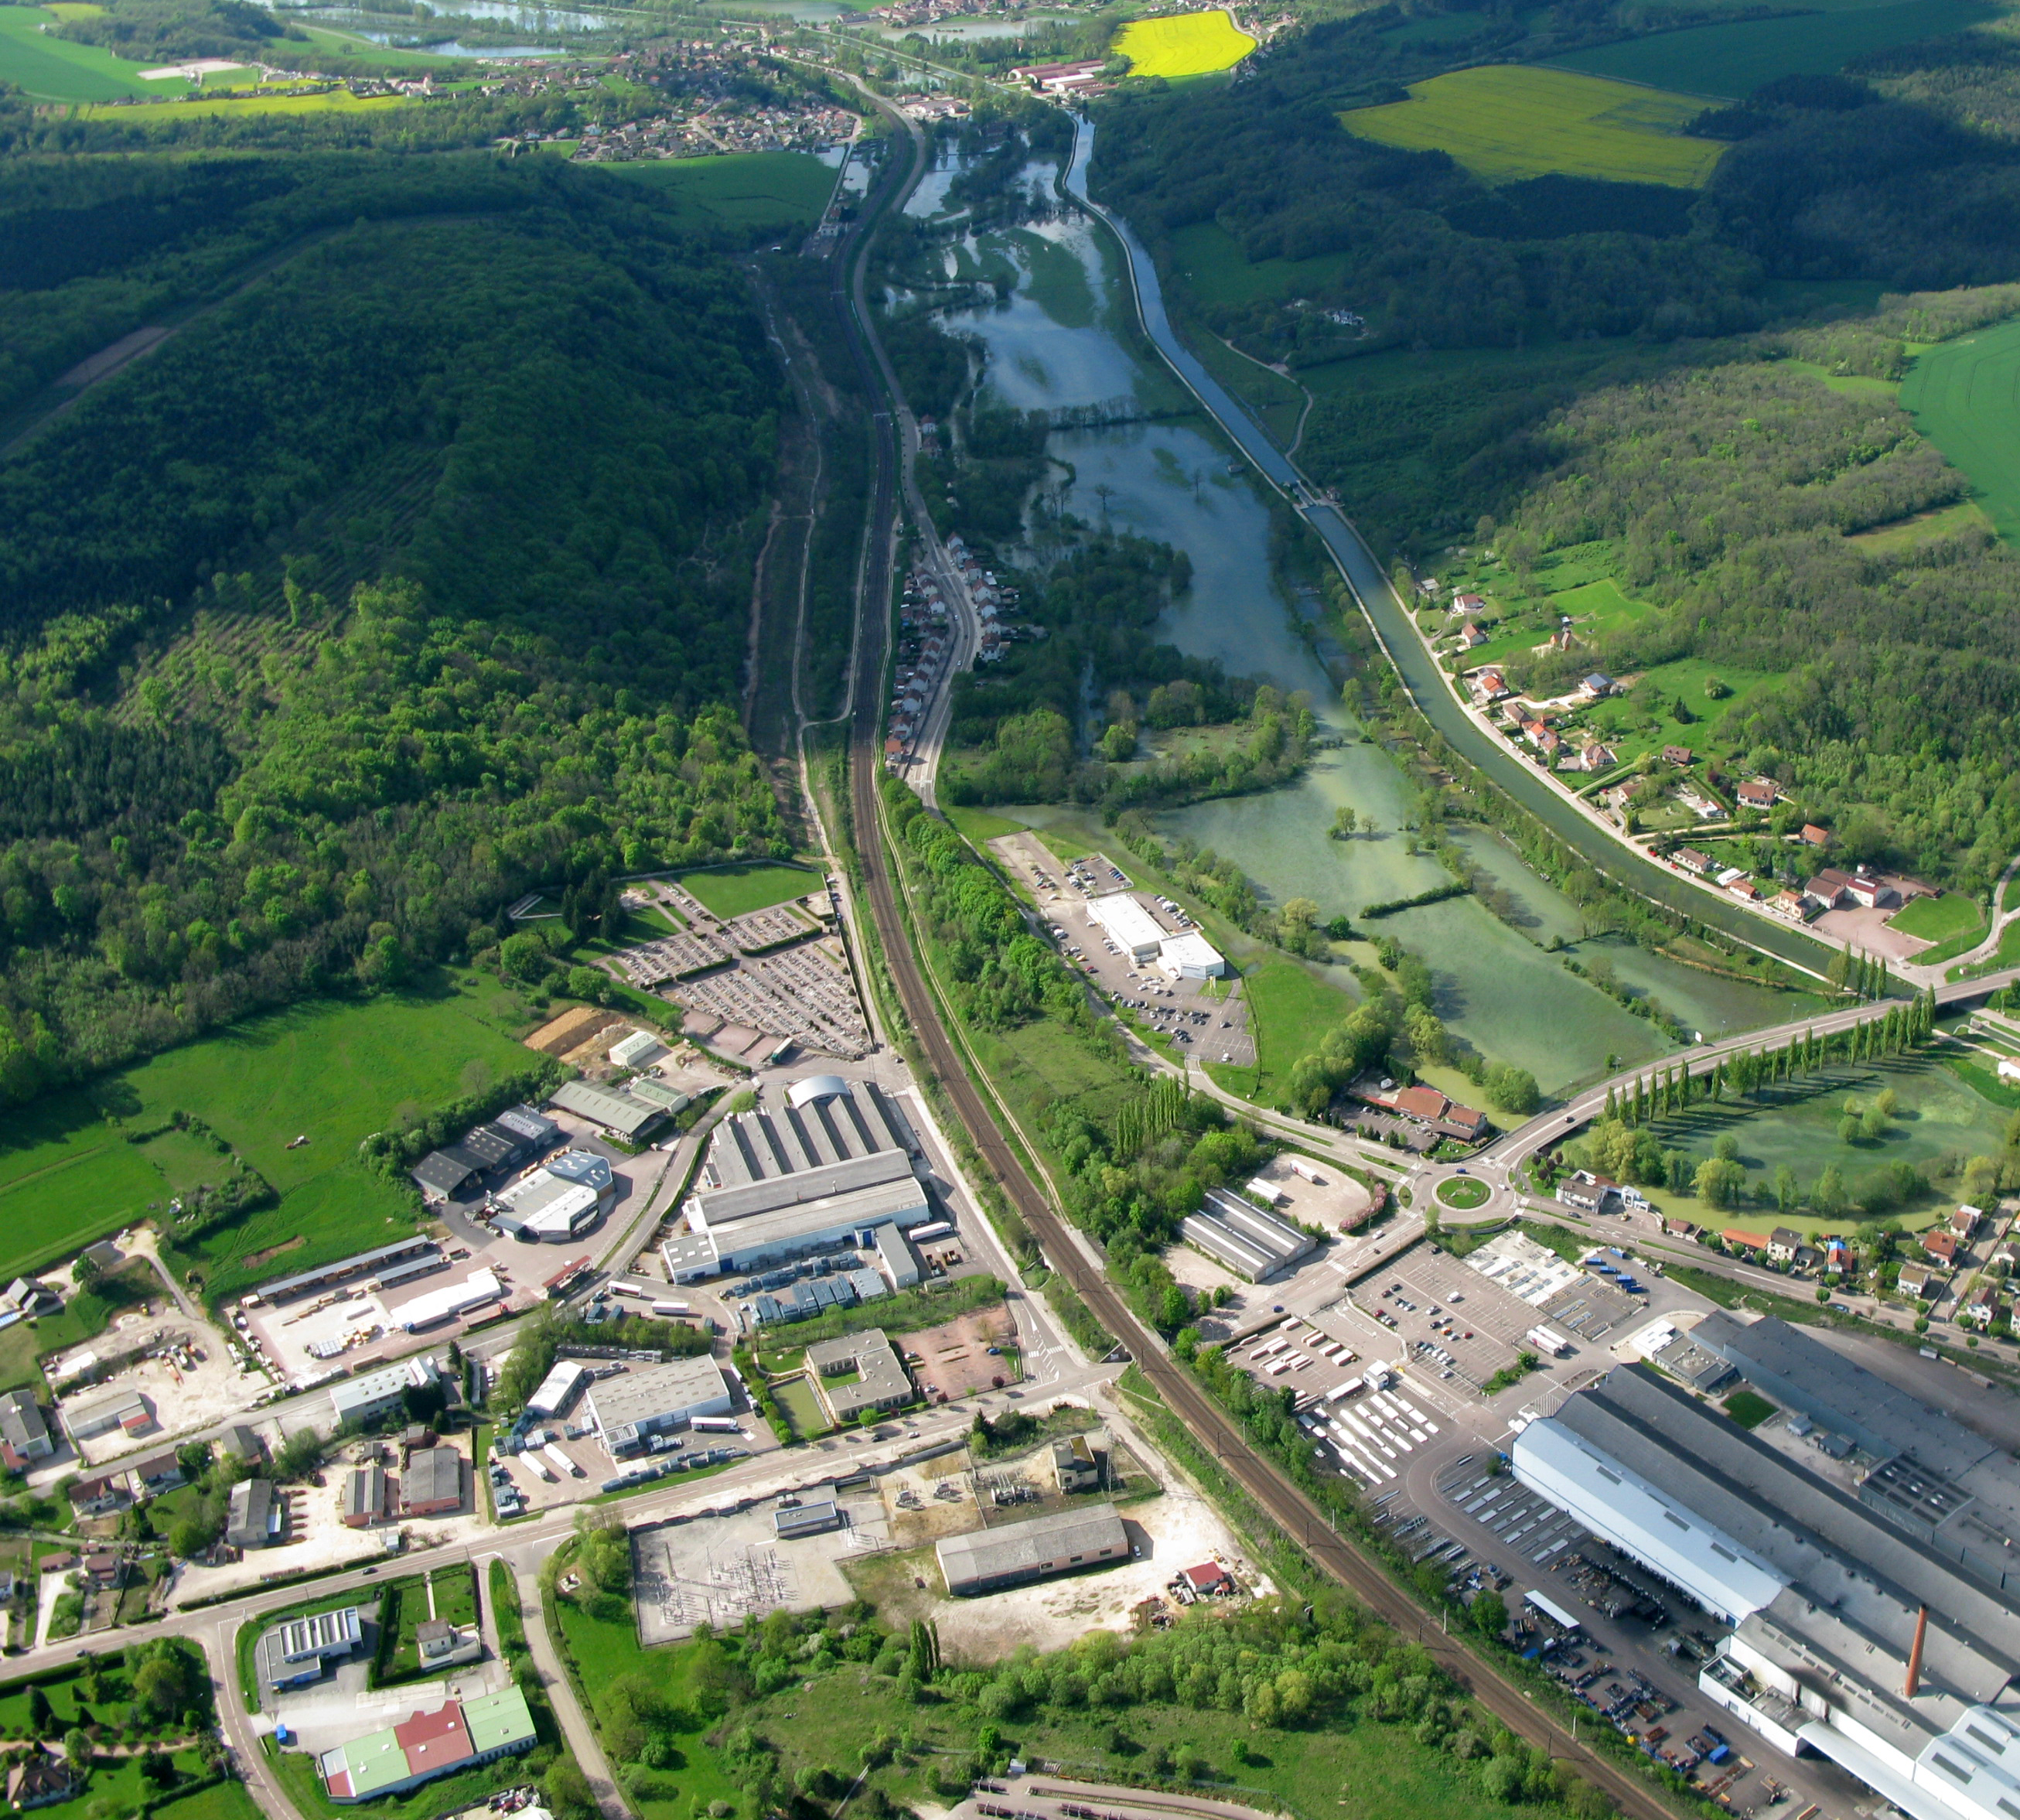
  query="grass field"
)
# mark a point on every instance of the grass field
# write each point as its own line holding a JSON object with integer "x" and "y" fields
{"x": 979, "y": 825}
{"x": 749, "y": 189}
{"x": 735, "y": 891}
{"x": 335, "y": 100}
{"x": 1748, "y": 1408}
{"x": 1923, "y": 527}
{"x": 333, "y": 1071}
{"x": 1186, "y": 43}
{"x": 1938, "y": 919}
{"x": 1504, "y": 121}
{"x": 227, "y": 1801}
{"x": 1216, "y": 270}
{"x": 1292, "y": 1012}
{"x": 1732, "y": 60}
{"x": 1965, "y": 396}
{"x": 53, "y": 69}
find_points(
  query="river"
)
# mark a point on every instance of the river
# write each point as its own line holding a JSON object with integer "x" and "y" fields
{"x": 1426, "y": 684}
{"x": 1053, "y": 342}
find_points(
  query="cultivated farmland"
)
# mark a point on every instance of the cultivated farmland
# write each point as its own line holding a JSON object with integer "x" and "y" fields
{"x": 1187, "y": 44}
{"x": 1504, "y": 123}
{"x": 1965, "y": 396}
{"x": 1732, "y": 60}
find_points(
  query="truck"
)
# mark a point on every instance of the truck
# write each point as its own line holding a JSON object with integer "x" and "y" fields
{"x": 716, "y": 1424}
{"x": 628, "y": 1289}
{"x": 938, "y": 1229}
{"x": 667, "y": 1310}
{"x": 541, "y": 1469}
{"x": 561, "y": 1462}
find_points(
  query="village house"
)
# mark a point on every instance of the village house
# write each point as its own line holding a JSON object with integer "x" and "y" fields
{"x": 1679, "y": 756}
{"x": 1964, "y": 1220}
{"x": 1814, "y": 836}
{"x": 1980, "y": 1309}
{"x": 1490, "y": 686}
{"x": 1793, "y": 905}
{"x": 1783, "y": 1243}
{"x": 1744, "y": 1241}
{"x": 1759, "y": 793}
{"x": 1587, "y": 1192}
{"x": 1941, "y": 1246}
{"x": 1691, "y": 860}
{"x": 1870, "y": 893}
{"x": 1426, "y": 1106}
{"x": 1597, "y": 687}
{"x": 1472, "y": 606}
{"x": 1470, "y": 637}
{"x": 1828, "y": 889}
{"x": 1918, "y": 1282}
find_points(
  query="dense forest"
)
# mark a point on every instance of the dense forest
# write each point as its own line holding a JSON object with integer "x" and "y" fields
{"x": 410, "y": 575}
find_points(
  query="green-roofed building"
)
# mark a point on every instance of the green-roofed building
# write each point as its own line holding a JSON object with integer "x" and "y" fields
{"x": 499, "y": 1723}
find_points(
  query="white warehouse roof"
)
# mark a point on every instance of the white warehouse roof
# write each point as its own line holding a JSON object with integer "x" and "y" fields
{"x": 473, "y": 1292}
{"x": 1191, "y": 956}
{"x": 1570, "y": 1472}
{"x": 816, "y": 1087}
{"x": 1135, "y": 931}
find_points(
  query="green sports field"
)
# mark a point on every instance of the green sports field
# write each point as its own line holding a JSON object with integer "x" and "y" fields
{"x": 735, "y": 891}
{"x": 1728, "y": 61}
{"x": 1965, "y": 396}
{"x": 1185, "y": 44}
{"x": 334, "y": 1071}
{"x": 1505, "y": 122}
{"x": 749, "y": 189}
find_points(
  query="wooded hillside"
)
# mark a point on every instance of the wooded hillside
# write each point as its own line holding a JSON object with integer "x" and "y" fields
{"x": 412, "y": 576}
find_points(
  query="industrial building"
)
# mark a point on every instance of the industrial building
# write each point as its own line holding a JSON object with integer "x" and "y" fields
{"x": 558, "y": 1202}
{"x": 632, "y": 1406}
{"x": 498, "y": 1144}
{"x": 294, "y": 1654}
{"x": 1128, "y": 925}
{"x": 989, "y": 1561}
{"x": 364, "y": 1497}
{"x": 453, "y": 1300}
{"x": 24, "y": 1434}
{"x": 1190, "y": 956}
{"x": 431, "y": 1485}
{"x": 360, "y": 1398}
{"x": 875, "y": 1375}
{"x": 790, "y": 1520}
{"x": 376, "y": 1263}
{"x": 126, "y": 1409}
{"x": 461, "y": 1735}
{"x": 895, "y": 1253}
{"x": 1250, "y": 1243}
{"x": 826, "y": 1120}
{"x": 558, "y": 1390}
{"x": 1859, "y": 1632}
{"x": 636, "y": 1049}
{"x": 256, "y": 1514}
{"x": 619, "y": 1114}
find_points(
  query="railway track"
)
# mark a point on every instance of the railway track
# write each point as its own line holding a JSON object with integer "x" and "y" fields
{"x": 1299, "y": 1518}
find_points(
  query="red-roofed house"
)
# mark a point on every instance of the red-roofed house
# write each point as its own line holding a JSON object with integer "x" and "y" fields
{"x": 1941, "y": 1246}
{"x": 1759, "y": 793}
{"x": 1209, "y": 1577}
{"x": 1814, "y": 836}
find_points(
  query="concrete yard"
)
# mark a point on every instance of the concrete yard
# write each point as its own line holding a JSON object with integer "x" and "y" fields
{"x": 211, "y": 1389}
{"x": 953, "y": 1360}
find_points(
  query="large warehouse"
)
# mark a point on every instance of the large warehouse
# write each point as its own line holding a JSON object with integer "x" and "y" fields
{"x": 558, "y": 1202}
{"x": 991, "y": 1560}
{"x": 1250, "y": 1243}
{"x": 1853, "y": 1637}
{"x": 832, "y": 1163}
{"x": 634, "y": 1406}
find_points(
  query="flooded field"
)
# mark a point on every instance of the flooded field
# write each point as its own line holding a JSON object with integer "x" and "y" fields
{"x": 1053, "y": 343}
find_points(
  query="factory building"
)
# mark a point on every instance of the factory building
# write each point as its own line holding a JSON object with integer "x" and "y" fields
{"x": 558, "y": 1390}
{"x": 632, "y": 1406}
{"x": 620, "y": 1114}
{"x": 989, "y": 1561}
{"x": 1855, "y": 1634}
{"x": 1128, "y": 925}
{"x": 255, "y": 1515}
{"x": 461, "y": 1735}
{"x": 432, "y": 1484}
{"x": 1190, "y": 956}
{"x": 560, "y": 1202}
{"x": 294, "y": 1654}
{"x": 358, "y": 1400}
{"x": 1250, "y": 1243}
{"x": 479, "y": 1288}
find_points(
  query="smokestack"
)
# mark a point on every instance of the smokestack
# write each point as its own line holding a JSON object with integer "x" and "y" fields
{"x": 1915, "y": 1655}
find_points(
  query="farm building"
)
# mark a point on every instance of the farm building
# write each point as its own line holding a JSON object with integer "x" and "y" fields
{"x": 989, "y": 1561}
{"x": 618, "y": 1113}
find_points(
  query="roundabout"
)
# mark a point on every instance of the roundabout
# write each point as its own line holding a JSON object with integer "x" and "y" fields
{"x": 1462, "y": 1193}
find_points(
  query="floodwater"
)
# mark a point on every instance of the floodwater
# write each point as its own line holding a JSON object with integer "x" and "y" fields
{"x": 969, "y": 30}
{"x": 1050, "y": 344}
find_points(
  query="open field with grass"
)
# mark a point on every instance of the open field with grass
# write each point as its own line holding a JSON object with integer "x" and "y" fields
{"x": 333, "y": 100}
{"x": 48, "y": 68}
{"x": 1924, "y": 528}
{"x": 1506, "y": 121}
{"x": 334, "y": 1071}
{"x": 1965, "y": 396}
{"x": 1730, "y": 60}
{"x": 1291, "y": 1011}
{"x": 227, "y": 1801}
{"x": 1186, "y": 43}
{"x": 1938, "y": 919}
{"x": 981, "y": 826}
{"x": 1216, "y": 270}
{"x": 748, "y": 189}
{"x": 735, "y": 891}
{"x": 1797, "y": 1123}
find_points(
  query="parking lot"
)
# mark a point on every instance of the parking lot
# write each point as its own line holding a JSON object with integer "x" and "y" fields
{"x": 1207, "y": 1017}
{"x": 1452, "y": 1321}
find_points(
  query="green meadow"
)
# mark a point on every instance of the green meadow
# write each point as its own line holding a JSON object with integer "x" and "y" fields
{"x": 331, "y": 1071}
{"x": 1733, "y": 60}
{"x": 751, "y": 189}
{"x": 48, "y": 68}
{"x": 736, "y": 891}
{"x": 1965, "y": 396}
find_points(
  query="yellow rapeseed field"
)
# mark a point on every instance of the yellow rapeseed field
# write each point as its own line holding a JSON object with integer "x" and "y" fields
{"x": 1186, "y": 43}
{"x": 1507, "y": 122}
